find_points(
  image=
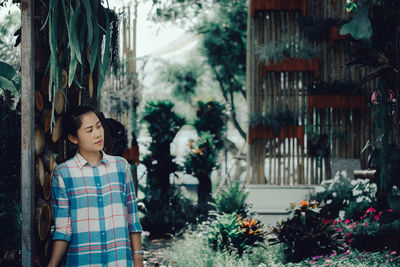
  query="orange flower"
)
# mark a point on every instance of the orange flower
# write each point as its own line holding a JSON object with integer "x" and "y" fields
{"x": 252, "y": 222}
{"x": 197, "y": 151}
{"x": 303, "y": 203}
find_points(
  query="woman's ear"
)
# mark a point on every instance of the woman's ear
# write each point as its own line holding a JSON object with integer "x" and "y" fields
{"x": 73, "y": 139}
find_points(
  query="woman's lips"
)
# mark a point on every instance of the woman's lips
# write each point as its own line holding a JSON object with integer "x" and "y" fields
{"x": 99, "y": 142}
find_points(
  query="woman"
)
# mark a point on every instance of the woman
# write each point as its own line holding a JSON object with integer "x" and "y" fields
{"x": 95, "y": 208}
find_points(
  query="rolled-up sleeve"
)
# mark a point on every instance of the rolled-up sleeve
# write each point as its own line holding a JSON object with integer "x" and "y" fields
{"x": 131, "y": 204}
{"x": 62, "y": 213}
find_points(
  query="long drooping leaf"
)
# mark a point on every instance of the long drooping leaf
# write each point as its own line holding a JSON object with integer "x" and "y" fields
{"x": 104, "y": 66}
{"x": 88, "y": 8}
{"x": 94, "y": 48}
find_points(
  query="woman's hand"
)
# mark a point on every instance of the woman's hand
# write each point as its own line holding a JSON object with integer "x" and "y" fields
{"x": 138, "y": 260}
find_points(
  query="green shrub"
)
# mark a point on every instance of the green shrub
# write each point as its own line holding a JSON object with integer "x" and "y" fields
{"x": 305, "y": 233}
{"x": 232, "y": 199}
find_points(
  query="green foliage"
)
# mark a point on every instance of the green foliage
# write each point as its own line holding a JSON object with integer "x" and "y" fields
{"x": 163, "y": 218}
{"x": 335, "y": 88}
{"x": 305, "y": 233}
{"x": 76, "y": 30}
{"x": 202, "y": 157}
{"x": 316, "y": 29}
{"x": 10, "y": 81}
{"x": 232, "y": 200}
{"x": 10, "y": 161}
{"x": 8, "y": 29}
{"x": 359, "y": 27}
{"x": 286, "y": 47}
{"x": 228, "y": 232}
{"x": 345, "y": 197}
{"x": 194, "y": 250}
{"x": 211, "y": 118}
{"x": 163, "y": 125}
{"x": 276, "y": 119}
{"x": 184, "y": 78}
{"x": 318, "y": 143}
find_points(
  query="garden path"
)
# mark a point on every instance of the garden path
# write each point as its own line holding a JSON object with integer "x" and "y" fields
{"x": 156, "y": 252}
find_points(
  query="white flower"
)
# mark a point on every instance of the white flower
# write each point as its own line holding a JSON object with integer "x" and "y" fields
{"x": 341, "y": 214}
{"x": 356, "y": 192}
{"x": 334, "y": 194}
{"x": 359, "y": 199}
{"x": 319, "y": 189}
{"x": 329, "y": 201}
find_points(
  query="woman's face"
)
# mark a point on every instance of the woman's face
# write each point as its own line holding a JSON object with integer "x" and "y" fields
{"x": 90, "y": 136}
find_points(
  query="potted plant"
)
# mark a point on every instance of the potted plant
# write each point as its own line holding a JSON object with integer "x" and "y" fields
{"x": 281, "y": 5}
{"x": 337, "y": 94}
{"x": 289, "y": 54}
{"x": 320, "y": 29}
{"x": 281, "y": 124}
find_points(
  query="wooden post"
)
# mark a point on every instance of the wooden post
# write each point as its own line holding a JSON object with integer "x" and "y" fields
{"x": 27, "y": 130}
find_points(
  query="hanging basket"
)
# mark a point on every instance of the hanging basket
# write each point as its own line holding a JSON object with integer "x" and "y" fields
{"x": 264, "y": 132}
{"x": 293, "y": 64}
{"x": 278, "y": 5}
{"x": 336, "y": 101}
{"x": 335, "y": 35}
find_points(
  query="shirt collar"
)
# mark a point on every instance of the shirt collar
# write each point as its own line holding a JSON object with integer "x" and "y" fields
{"x": 81, "y": 161}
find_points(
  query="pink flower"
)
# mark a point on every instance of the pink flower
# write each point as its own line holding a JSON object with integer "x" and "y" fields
{"x": 376, "y": 218}
{"x": 347, "y": 221}
{"x": 348, "y": 234}
{"x": 370, "y": 210}
{"x": 365, "y": 224}
{"x": 312, "y": 261}
{"x": 389, "y": 210}
{"x": 339, "y": 229}
{"x": 394, "y": 252}
{"x": 358, "y": 257}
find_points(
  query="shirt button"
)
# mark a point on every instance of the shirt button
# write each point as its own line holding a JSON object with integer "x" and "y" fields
{"x": 102, "y": 233}
{"x": 98, "y": 184}
{"x": 100, "y": 199}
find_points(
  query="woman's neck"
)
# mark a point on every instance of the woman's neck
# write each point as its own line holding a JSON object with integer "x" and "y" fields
{"x": 92, "y": 158}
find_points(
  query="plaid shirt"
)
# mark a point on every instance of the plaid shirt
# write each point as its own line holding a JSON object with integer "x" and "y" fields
{"x": 95, "y": 210}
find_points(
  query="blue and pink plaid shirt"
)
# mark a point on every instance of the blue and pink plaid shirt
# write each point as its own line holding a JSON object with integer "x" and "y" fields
{"x": 95, "y": 210}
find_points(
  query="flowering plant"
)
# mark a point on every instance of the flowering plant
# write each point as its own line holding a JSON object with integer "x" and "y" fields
{"x": 342, "y": 197}
{"x": 230, "y": 232}
{"x": 305, "y": 233}
{"x": 370, "y": 232}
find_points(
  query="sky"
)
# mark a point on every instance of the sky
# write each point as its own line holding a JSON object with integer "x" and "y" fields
{"x": 150, "y": 36}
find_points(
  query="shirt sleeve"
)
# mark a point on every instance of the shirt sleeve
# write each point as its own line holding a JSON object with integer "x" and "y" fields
{"x": 62, "y": 213}
{"x": 131, "y": 203}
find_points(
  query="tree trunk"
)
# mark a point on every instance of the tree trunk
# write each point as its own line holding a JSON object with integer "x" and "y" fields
{"x": 203, "y": 188}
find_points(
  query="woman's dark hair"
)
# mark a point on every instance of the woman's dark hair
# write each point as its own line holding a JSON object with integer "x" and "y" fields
{"x": 72, "y": 119}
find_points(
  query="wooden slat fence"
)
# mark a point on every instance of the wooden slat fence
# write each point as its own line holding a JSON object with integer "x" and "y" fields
{"x": 283, "y": 161}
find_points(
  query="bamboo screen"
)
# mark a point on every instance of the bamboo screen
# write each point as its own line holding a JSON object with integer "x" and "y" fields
{"x": 281, "y": 161}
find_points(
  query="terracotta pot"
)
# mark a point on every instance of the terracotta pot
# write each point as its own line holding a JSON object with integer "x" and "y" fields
{"x": 294, "y": 64}
{"x": 264, "y": 132}
{"x": 280, "y": 5}
{"x": 336, "y": 101}
{"x": 335, "y": 35}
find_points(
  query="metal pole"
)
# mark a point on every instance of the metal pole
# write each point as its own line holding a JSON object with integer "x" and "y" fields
{"x": 27, "y": 130}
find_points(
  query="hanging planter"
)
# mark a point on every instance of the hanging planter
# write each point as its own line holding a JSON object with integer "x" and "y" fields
{"x": 293, "y": 64}
{"x": 336, "y": 101}
{"x": 265, "y": 132}
{"x": 278, "y": 5}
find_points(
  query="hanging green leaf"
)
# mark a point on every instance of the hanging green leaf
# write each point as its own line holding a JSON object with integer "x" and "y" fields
{"x": 359, "y": 27}
{"x": 88, "y": 8}
{"x": 104, "y": 66}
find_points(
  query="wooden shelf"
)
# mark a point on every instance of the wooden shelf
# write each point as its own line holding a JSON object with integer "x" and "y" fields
{"x": 293, "y": 64}
{"x": 264, "y": 132}
{"x": 278, "y": 5}
{"x": 335, "y": 35}
{"x": 336, "y": 101}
